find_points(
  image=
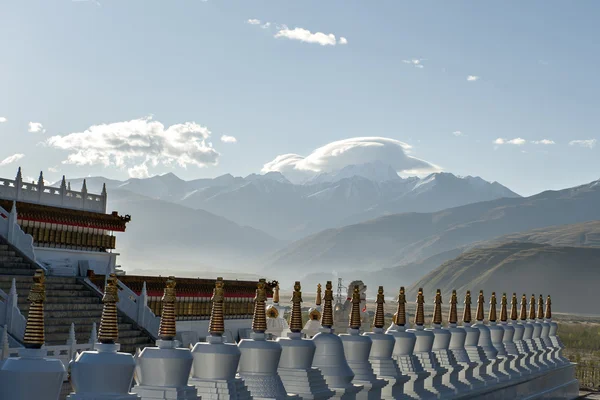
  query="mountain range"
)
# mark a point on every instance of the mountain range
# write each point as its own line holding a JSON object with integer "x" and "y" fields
{"x": 288, "y": 211}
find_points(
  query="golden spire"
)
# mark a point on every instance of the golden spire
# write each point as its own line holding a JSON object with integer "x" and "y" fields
{"x": 540, "y": 313}
{"x": 513, "y": 307}
{"x": 355, "y": 312}
{"x": 453, "y": 317}
{"x": 532, "y": 307}
{"x": 492, "y": 317}
{"x": 109, "y": 328}
{"x": 216, "y": 326}
{"x": 318, "y": 299}
{"x": 480, "y": 311}
{"x": 400, "y": 316}
{"x": 379, "y": 320}
{"x": 503, "y": 308}
{"x": 276, "y": 294}
{"x": 327, "y": 317}
{"x": 167, "y": 330}
{"x": 296, "y": 314}
{"x": 34, "y": 330}
{"x": 523, "y": 315}
{"x": 420, "y": 314}
{"x": 437, "y": 308}
{"x": 259, "y": 320}
{"x": 548, "y": 308}
{"x": 467, "y": 310}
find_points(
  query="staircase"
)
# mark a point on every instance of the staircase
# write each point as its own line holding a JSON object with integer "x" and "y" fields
{"x": 68, "y": 301}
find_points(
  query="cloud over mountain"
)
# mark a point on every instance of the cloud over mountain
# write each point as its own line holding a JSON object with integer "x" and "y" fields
{"x": 137, "y": 142}
{"x": 339, "y": 154}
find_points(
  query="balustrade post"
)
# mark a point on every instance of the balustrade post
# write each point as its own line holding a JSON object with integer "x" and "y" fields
{"x": 84, "y": 194}
{"x": 142, "y": 304}
{"x": 63, "y": 190}
{"x": 40, "y": 187}
{"x": 5, "y": 348}
{"x": 72, "y": 341}
{"x": 12, "y": 222}
{"x": 11, "y": 303}
{"x": 18, "y": 185}
{"x": 93, "y": 336}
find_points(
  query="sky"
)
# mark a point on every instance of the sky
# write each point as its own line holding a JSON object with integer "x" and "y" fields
{"x": 130, "y": 88}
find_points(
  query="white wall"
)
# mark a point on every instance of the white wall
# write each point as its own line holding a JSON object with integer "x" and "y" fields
{"x": 193, "y": 331}
{"x": 66, "y": 261}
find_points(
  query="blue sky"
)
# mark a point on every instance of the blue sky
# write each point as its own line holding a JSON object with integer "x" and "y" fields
{"x": 72, "y": 65}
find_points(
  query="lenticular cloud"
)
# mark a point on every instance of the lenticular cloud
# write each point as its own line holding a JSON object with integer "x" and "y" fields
{"x": 339, "y": 154}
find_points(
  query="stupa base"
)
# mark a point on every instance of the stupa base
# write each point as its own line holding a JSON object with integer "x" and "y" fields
{"x": 233, "y": 389}
{"x": 466, "y": 376}
{"x": 266, "y": 387}
{"x": 451, "y": 379}
{"x": 100, "y": 396}
{"x": 166, "y": 393}
{"x": 346, "y": 393}
{"x": 395, "y": 388}
{"x": 371, "y": 389}
{"x": 415, "y": 387}
{"x": 307, "y": 384}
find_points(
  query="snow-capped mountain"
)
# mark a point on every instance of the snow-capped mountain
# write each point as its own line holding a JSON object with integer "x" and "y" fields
{"x": 271, "y": 203}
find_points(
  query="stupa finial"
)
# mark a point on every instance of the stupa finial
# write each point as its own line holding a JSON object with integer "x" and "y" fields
{"x": 109, "y": 328}
{"x": 420, "y": 314}
{"x": 453, "y": 316}
{"x": 492, "y": 317}
{"x": 327, "y": 316}
{"x": 540, "y": 313}
{"x": 318, "y": 299}
{"x": 34, "y": 329}
{"x": 19, "y": 176}
{"x": 84, "y": 186}
{"x": 259, "y": 320}
{"x": 296, "y": 314}
{"x": 504, "y": 308}
{"x": 513, "y": 307}
{"x": 167, "y": 330}
{"x": 480, "y": 311}
{"x": 276, "y": 294}
{"x": 379, "y": 320}
{"x": 523, "y": 314}
{"x": 548, "y": 308}
{"x": 355, "y": 312}
{"x": 437, "y": 308}
{"x": 532, "y": 307}
{"x": 103, "y": 193}
{"x": 400, "y": 316}
{"x": 467, "y": 310}
{"x": 216, "y": 326}
{"x": 41, "y": 178}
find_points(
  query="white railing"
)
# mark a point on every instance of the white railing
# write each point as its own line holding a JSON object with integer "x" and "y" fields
{"x": 65, "y": 353}
{"x": 10, "y": 315}
{"x": 10, "y": 229}
{"x": 39, "y": 193}
{"x": 135, "y": 307}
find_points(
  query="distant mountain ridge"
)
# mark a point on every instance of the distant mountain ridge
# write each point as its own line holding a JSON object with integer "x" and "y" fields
{"x": 273, "y": 204}
{"x": 405, "y": 238}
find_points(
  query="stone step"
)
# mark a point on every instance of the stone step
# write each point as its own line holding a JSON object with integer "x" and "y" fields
{"x": 95, "y": 314}
{"x": 17, "y": 271}
{"x": 3, "y": 247}
{"x": 16, "y": 265}
{"x": 81, "y": 325}
{"x": 62, "y": 299}
{"x": 23, "y": 286}
{"x": 73, "y": 307}
{"x": 134, "y": 340}
{"x": 49, "y": 279}
{"x": 4, "y": 259}
{"x": 6, "y": 252}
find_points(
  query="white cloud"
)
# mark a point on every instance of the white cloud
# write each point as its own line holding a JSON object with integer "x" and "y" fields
{"x": 254, "y": 21}
{"x": 11, "y": 159}
{"x": 516, "y": 141}
{"x": 339, "y": 154}
{"x": 53, "y": 169}
{"x": 473, "y": 78}
{"x": 266, "y": 25}
{"x": 138, "y": 171}
{"x": 458, "y": 133}
{"x": 128, "y": 143}
{"x": 343, "y": 40}
{"x": 3, "y": 119}
{"x": 589, "y": 143}
{"x": 36, "y": 127}
{"x": 228, "y": 139}
{"x": 306, "y": 36}
{"x": 416, "y": 62}
{"x": 543, "y": 141}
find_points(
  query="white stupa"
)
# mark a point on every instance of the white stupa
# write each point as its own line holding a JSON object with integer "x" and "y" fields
{"x": 533, "y": 354}
{"x": 295, "y": 365}
{"x": 384, "y": 366}
{"x": 357, "y": 348}
{"x": 440, "y": 349}
{"x": 260, "y": 358}
{"x": 485, "y": 342}
{"x": 545, "y": 335}
{"x": 474, "y": 351}
{"x": 32, "y": 375}
{"x": 104, "y": 373}
{"x": 403, "y": 353}
{"x": 457, "y": 347}
{"x": 329, "y": 355}
{"x": 510, "y": 338}
{"x": 554, "y": 339}
{"x": 163, "y": 371}
{"x": 541, "y": 330}
{"x": 277, "y": 326}
{"x": 215, "y": 362}
{"x": 497, "y": 337}
{"x": 313, "y": 325}
{"x": 423, "y": 351}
